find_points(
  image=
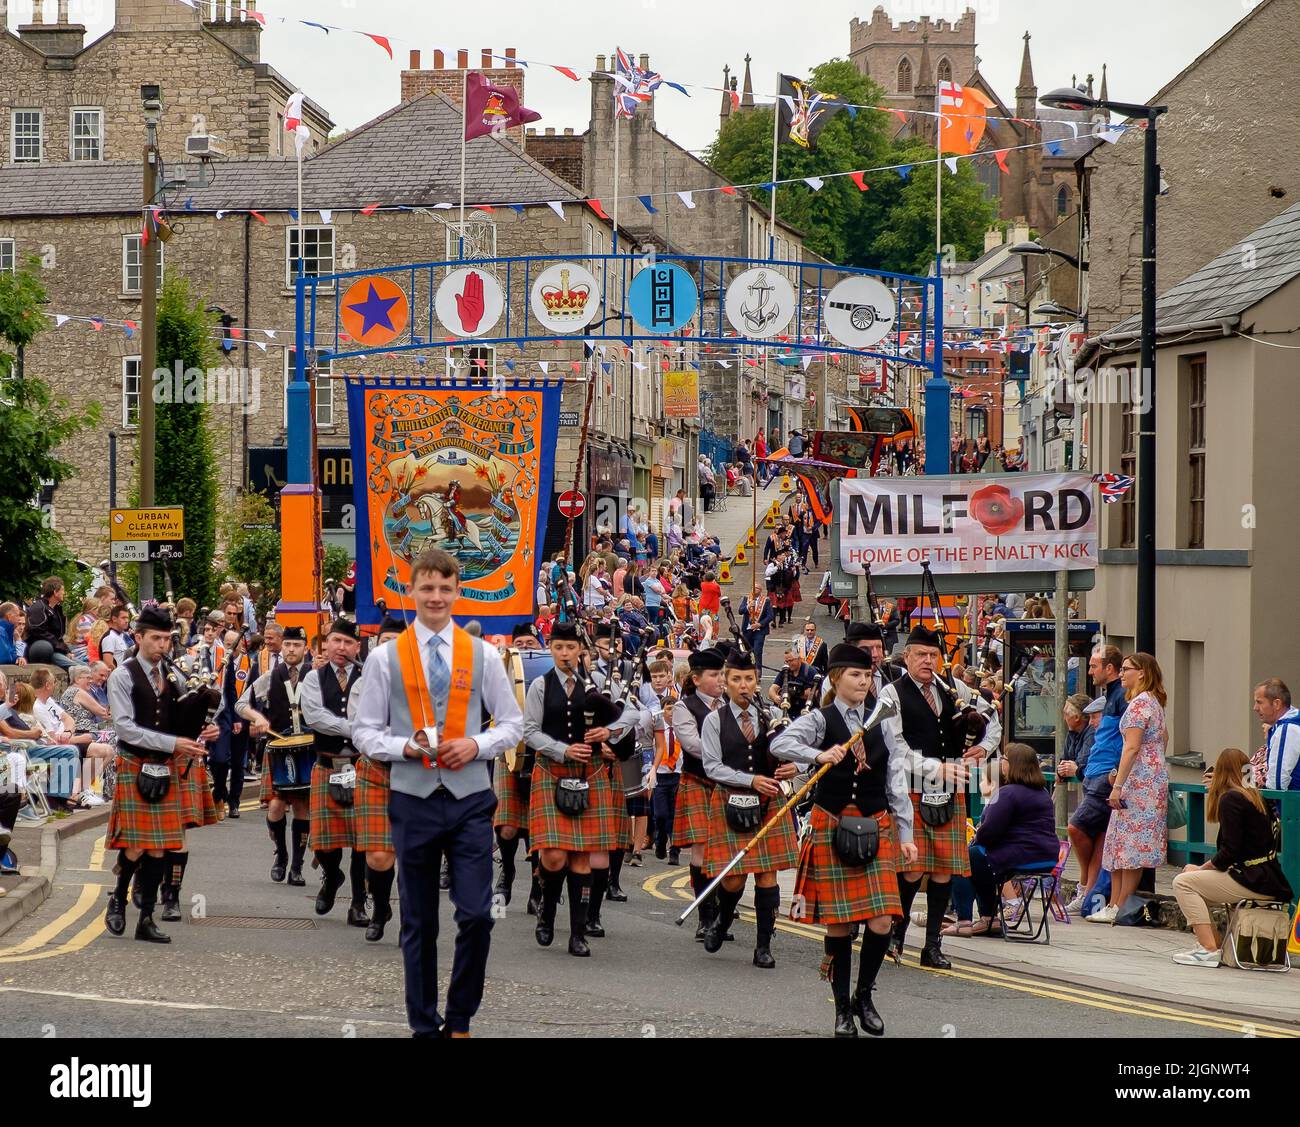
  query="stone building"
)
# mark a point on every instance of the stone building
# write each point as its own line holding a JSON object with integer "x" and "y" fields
{"x": 64, "y": 100}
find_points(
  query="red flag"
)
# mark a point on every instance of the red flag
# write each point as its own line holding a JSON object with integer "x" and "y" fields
{"x": 595, "y": 206}
{"x": 857, "y": 178}
{"x": 566, "y": 72}
{"x": 964, "y": 117}
{"x": 370, "y": 209}
{"x": 489, "y": 109}
{"x": 1001, "y": 154}
{"x": 257, "y": 215}
{"x": 728, "y": 189}
{"x": 382, "y": 41}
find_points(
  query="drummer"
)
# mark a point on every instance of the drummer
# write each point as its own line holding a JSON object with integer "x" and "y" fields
{"x": 281, "y": 689}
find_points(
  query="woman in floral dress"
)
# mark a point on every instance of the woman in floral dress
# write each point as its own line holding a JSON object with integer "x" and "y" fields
{"x": 1137, "y": 837}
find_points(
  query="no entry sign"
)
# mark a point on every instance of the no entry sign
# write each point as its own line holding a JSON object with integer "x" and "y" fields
{"x": 572, "y": 503}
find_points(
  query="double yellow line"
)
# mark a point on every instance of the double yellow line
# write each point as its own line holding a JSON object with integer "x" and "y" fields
{"x": 678, "y": 888}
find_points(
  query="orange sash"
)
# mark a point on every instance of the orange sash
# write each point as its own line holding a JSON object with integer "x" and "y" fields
{"x": 416, "y": 686}
{"x": 672, "y": 749}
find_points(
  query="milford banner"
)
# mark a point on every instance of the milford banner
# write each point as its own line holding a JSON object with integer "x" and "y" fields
{"x": 682, "y": 395}
{"x": 462, "y": 469}
{"x": 963, "y": 525}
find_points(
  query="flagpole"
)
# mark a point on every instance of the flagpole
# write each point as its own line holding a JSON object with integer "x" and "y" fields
{"x": 938, "y": 177}
{"x": 776, "y": 133}
{"x": 464, "y": 126}
{"x": 614, "y": 241}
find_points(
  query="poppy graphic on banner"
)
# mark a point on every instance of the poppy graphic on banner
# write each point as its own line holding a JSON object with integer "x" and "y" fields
{"x": 489, "y": 109}
{"x": 804, "y": 111}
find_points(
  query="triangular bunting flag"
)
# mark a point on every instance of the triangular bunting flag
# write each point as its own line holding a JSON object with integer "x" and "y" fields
{"x": 556, "y": 207}
{"x": 814, "y": 182}
{"x": 326, "y": 216}
{"x": 687, "y": 199}
{"x": 951, "y": 162}
{"x": 382, "y": 41}
{"x": 595, "y": 206}
{"x": 645, "y": 203}
{"x": 566, "y": 72}
{"x": 858, "y": 179}
{"x": 59, "y": 319}
{"x": 1001, "y": 154}
{"x": 904, "y": 171}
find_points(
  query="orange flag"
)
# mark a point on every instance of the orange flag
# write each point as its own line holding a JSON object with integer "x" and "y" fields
{"x": 964, "y": 110}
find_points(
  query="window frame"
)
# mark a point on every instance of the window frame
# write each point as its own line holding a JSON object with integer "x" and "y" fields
{"x": 73, "y": 138}
{"x": 14, "y": 158}
{"x": 911, "y": 76}
{"x": 12, "y": 244}
{"x": 138, "y": 266}
{"x": 1197, "y": 424}
{"x": 324, "y": 384}
{"x": 1128, "y": 441}
{"x": 127, "y": 395}
{"x": 291, "y": 258}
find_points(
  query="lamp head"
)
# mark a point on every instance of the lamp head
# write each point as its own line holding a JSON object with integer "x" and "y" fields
{"x": 1069, "y": 98}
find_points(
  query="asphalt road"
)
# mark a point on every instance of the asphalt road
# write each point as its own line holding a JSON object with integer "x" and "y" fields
{"x": 62, "y": 974}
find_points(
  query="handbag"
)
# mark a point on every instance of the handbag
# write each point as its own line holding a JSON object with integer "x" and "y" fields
{"x": 1257, "y": 936}
{"x": 153, "y": 781}
{"x": 1176, "y": 818}
{"x": 856, "y": 841}
{"x": 744, "y": 812}
{"x": 342, "y": 785}
{"x": 572, "y": 795}
{"x": 937, "y": 808}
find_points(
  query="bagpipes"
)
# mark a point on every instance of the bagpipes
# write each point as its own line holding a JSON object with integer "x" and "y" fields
{"x": 198, "y": 702}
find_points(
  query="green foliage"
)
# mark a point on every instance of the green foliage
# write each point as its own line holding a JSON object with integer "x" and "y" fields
{"x": 253, "y": 554}
{"x": 337, "y": 559}
{"x": 888, "y": 227}
{"x": 33, "y": 424}
{"x": 186, "y": 466}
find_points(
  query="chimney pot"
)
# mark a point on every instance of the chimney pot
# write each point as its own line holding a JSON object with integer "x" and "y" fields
{"x": 645, "y": 62}
{"x": 487, "y": 58}
{"x": 550, "y": 131}
{"x": 438, "y": 61}
{"x": 510, "y": 56}
{"x": 600, "y": 62}
{"x": 568, "y": 131}
{"x": 415, "y": 60}
{"x": 462, "y": 60}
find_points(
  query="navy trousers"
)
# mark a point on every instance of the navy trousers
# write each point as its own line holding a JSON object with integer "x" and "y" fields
{"x": 664, "y": 802}
{"x": 424, "y": 830}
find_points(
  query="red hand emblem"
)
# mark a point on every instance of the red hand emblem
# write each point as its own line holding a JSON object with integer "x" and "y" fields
{"x": 469, "y": 304}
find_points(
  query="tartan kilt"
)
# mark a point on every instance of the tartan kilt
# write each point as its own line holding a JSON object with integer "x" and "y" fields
{"x": 371, "y": 826}
{"x": 513, "y": 792}
{"x": 332, "y": 825}
{"x": 827, "y": 891}
{"x": 940, "y": 849}
{"x": 691, "y": 813}
{"x": 198, "y": 808}
{"x": 136, "y": 824}
{"x": 779, "y": 848}
{"x": 593, "y": 831}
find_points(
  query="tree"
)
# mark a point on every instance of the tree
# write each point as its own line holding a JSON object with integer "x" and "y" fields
{"x": 33, "y": 424}
{"x": 890, "y": 226}
{"x": 253, "y": 543}
{"x": 184, "y": 453}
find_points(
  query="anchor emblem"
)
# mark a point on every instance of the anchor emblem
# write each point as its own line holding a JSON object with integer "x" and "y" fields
{"x": 757, "y": 312}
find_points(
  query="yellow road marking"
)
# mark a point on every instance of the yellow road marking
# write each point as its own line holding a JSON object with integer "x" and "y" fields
{"x": 989, "y": 977}
{"x": 86, "y": 901}
{"x": 97, "y": 852}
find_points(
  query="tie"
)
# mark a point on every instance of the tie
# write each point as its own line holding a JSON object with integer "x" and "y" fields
{"x": 717, "y": 704}
{"x": 156, "y": 679}
{"x": 342, "y": 675}
{"x": 439, "y": 675}
{"x": 293, "y": 675}
{"x": 568, "y": 686}
{"x": 927, "y": 691}
{"x": 747, "y": 726}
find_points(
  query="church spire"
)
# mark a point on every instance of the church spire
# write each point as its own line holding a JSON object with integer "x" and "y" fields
{"x": 1105, "y": 92}
{"x": 725, "y": 112}
{"x": 1026, "y": 67}
{"x": 925, "y": 75}
{"x": 1026, "y": 90}
{"x": 747, "y": 90}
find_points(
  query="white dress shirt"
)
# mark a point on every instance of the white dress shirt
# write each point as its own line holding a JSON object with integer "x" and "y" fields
{"x": 685, "y": 728}
{"x": 370, "y": 731}
{"x": 122, "y": 709}
{"x": 314, "y": 713}
{"x": 711, "y": 741}
{"x": 535, "y": 710}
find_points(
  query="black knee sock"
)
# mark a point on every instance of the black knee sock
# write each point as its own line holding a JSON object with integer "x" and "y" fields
{"x": 767, "y": 902}
{"x": 907, "y": 890}
{"x": 698, "y": 879}
{"x": 936, "y": 903}
{"x": 174, "y": 863}
{"x": 535, "y": 891}
{"x": 509, "y": 846}
{"x": 381, "y": 888}
{"x": 615, "y": 867}
{"x": 357, "y": 873}
{"x": 873, "y": 954}
{"x": 151, "y": 874}
{"x": 552, "y": 885}
{"x": 726, "y": 907}
{"x": 709, "y": 907}
{"x": 840, "y": 950}
{"x": 277, "y": 829}
{"x": 331, "y": 862}
{"x": 599, "y": 882}
{"x": 301, "y": 832}
{"x": 125, "y": 871}
{"x": 579, "y": 903}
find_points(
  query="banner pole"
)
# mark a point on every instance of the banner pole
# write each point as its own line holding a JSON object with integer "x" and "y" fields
{"x": 776, "y": 133}
{"x": 464, "y": 126}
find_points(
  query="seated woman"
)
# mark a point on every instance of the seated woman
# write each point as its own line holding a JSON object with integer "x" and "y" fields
{"x": 1017, "y": 833}
{"x": 18, "y": 724}
{"x": 1245, "y": 866}
{"x": 91, "y": 718}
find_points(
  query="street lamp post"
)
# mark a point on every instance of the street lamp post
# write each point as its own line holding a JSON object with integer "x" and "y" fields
{"x": 151, "y": 99}
{"x": 1072, "y": 99}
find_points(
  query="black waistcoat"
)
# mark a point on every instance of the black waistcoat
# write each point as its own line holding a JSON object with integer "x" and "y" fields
{"x": 936, "y": 737}
{"x": 564, "y": 717}
{"x": 738, "y": 754}
{"x": 336, "y": 700}
{"x": 843, "y": 784}
{"x": 699, "y": 710}
{"x": 278, "y": 709}
{"x": 152, "y": 710}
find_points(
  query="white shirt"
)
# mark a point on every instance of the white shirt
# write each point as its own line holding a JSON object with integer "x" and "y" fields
{"x": 51, "y": 717}
{"x": 113, "y": 643}
{"x": 370, "y": 732}
{"x": 1283, "y": 752}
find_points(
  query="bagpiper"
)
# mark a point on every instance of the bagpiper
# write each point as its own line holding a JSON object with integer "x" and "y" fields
{"x": 859, "y": 829}
{"x": 513, "y": 789}
{"x": 147, "y": 819}
{"x": 738, "y": 760}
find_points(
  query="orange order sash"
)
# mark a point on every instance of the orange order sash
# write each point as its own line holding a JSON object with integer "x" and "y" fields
{"x": 416, "y": 687}
{"x": 671, "y": 747}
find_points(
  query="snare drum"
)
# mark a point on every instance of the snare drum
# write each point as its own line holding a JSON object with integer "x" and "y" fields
{"x": 290, "y": 760}
{"x": 632, "y": 775}
{"x": 524, "y": 667}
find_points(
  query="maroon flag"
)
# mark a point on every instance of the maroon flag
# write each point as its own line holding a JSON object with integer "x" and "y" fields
{"x": 489, "y": 109}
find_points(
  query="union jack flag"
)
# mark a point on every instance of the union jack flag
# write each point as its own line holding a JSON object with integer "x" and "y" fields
{"x": 632, "y": 85}
{"x": 1113, "y": 485}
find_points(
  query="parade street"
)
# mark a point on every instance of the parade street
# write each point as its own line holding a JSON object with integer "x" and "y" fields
{"x": 263, "y": 965}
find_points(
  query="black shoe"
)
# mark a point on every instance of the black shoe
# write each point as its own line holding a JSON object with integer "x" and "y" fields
{"x": 544, "y": 933}
{"x": 357, "y": 916}
{"x": 233, "y": 812}
{"x": 661, "y": 851}
{"x": 136, "y": 902}
{"x": 278, "y": 867}
{"x": 295, "y": 876}
{"x": 594, "y": 929}
{"x": 844, "y": 1026}
{"x": 701, "y": 932}
{"x": 503, "y": 889}
{"x": 375, "y": 932}
{"x": 931, "y": 956}
{"x": 171, "y": 911}
{"x": 865, "y": 1010}
{"x": 616, "y": 894}
{"x": 674, "y": 856}
{"x": 713, "y": 939}
{"x": 534, "y": 905}
{"x": 763, "y": 958}
{"x": 444, "y": 877}
{"x": 146, "y": 929}
{"x": 578, "y": 947}
{"x": 115, "y": 917}
{"x": 329, "y": 888}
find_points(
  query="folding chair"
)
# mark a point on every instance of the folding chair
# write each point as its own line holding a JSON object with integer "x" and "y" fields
{"x": 1031, "y": 882}
{"x": 37, "y": 774}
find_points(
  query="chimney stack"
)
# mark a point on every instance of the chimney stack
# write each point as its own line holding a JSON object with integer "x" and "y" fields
{"x": 486, "y": 63}
{"x": 438, "y": 62}
{"x": 462, "y": 60}
{"x": 510, "y": 56}
{"x": 415, "y": 61}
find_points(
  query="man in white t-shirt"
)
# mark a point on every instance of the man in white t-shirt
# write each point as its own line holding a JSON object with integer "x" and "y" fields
{"x": 114, "y": 644}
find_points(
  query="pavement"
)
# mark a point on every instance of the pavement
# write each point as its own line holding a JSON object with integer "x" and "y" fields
{"x": 252, "y": 959}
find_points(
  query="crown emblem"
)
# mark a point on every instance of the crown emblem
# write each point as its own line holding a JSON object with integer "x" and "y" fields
{"x": 566, "y": 302}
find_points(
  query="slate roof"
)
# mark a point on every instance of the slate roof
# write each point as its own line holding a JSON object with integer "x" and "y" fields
{"x": 1234, "y": 281}
{"x": 409, "y": 154}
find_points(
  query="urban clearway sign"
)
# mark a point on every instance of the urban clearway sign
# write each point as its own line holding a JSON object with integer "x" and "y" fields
{"x": 141, "y": 535}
